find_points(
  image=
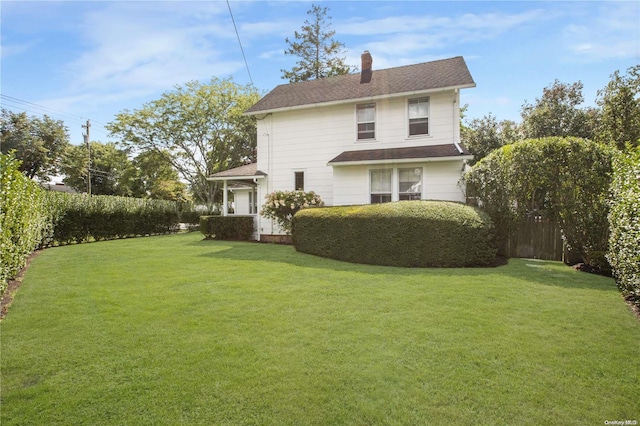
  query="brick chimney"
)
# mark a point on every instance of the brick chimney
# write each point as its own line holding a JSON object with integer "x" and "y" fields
{"x": 366, "y": 68}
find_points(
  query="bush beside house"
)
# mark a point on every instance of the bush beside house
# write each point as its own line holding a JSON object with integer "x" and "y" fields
{"x": 405, "y": 233}
{"x": 624, "y": 218}
{"x": 227, "y": 227}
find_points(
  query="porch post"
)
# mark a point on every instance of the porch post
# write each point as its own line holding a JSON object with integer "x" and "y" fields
{"x": 225, "y": 199}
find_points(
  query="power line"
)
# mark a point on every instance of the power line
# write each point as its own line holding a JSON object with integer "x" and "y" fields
{"x": 21, "y": 103}
{"x": 239, "y": 42}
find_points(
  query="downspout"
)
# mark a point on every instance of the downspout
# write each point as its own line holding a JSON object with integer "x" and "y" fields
{"x": 456, "y": 120}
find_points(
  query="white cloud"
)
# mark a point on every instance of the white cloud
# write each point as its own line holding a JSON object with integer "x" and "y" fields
{"x": 136, "y": 46}
{"x": 614, "y": 33}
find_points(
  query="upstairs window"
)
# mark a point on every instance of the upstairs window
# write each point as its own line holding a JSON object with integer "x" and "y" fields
{"x": 366, "y": 117}
{"x": 419, "y": 116}
{"x": 381, "y": 186}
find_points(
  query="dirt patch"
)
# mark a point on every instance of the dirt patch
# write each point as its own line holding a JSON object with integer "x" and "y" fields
{"x": 13, "y": 285}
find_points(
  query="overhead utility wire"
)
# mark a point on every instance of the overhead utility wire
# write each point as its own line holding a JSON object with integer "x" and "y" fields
{"x": 239, "y": 42}
{"x": 22, "y": 103}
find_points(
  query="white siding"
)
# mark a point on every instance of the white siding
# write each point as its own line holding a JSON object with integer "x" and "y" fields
{"x": 440, "y": 181}
{"x": 307, "y": 139}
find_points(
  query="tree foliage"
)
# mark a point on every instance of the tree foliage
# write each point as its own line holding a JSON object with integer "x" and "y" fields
{"x": 319, "y": 53}
{"x": 481, "y": 136}
{"x": 38, "y": 143}
{"x": 557, "y": 113}
{"x": 156, "y": 178}
{"x": 564, "y": 179}
{"x": 619, "y": 103}
{"x": 111, "y": 171}
{"x": 199, "y": 127}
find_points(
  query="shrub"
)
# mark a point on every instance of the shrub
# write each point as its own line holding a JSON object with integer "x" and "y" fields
{"x": 227, "y": 227}
{"x": 80, "y": 218}
{"x": 564, "y": 179}
{"x": 624, "y": 218}
{"x": 23, "y": 218}
{"x": 282, "y": 205}
{"x": 405, "y": 233}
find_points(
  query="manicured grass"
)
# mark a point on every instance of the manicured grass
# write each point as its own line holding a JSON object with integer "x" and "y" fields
{"x": 175, "y": 330}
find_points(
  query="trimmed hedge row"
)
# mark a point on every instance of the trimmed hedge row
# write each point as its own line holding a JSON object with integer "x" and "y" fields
{"x": 405, "y": 233}
{"x": 227, "y": 227}
{"x": 624, "y": 219}
{"x": 80, "y": 218}
{"x": 32, "y": 218}
{"x": 23, "y": 218}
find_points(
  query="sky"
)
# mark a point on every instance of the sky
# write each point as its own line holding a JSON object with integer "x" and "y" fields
{"x": 79, "y": 60}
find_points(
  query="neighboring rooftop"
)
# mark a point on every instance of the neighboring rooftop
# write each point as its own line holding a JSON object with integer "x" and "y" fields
{"x": 424, "y": 77}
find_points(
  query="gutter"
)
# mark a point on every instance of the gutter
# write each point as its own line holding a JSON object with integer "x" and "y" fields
{"x": 357, "y": 100}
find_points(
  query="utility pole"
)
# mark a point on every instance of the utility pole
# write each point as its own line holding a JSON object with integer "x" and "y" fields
{"x": 86, "y": 140}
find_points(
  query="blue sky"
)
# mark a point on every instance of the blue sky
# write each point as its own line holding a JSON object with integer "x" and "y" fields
{"x": 78, "y": 60}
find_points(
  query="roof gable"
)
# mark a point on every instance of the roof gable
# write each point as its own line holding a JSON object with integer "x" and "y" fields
{"x": 445, "y": 73}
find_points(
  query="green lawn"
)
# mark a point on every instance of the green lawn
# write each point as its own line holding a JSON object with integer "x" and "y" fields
{"x": 175, "y": 330}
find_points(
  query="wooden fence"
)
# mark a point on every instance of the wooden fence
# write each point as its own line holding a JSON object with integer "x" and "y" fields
{"x": 537, "y": 238}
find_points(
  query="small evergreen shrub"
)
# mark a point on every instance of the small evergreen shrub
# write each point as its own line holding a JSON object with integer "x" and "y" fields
{"x": 227, "y": 227}
{"x": 405, "y": 233}
{"x": 624, "y": 219}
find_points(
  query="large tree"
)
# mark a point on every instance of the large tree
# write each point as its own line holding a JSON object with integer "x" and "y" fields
{"x": 557, "y": 113}
{"x": 483, "y": 135}
{"x": 38, "y": 143}
{"x": 156, "y": 178}
{"x": 200, "y": 127}
{"x": 619, "y": 102}
{"x": 319, "y": 53}
{"x": 111, "y": 172}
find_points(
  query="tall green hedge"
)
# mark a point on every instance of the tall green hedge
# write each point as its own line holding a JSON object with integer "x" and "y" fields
{"x": 405, "y": 233}
{"x": 32, "y": 218}
{"x": 80, "y": 218}
{"x": 624, "y": 219}
{"x": 23, "y": 218}
{"x": 564, "y": 179}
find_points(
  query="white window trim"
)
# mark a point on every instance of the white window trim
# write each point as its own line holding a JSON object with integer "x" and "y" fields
{"x": 395, "y": 179}
{"x": 293, "y": 178}
{"x": 406, "y": 119}
{"x": 375, "y": 122}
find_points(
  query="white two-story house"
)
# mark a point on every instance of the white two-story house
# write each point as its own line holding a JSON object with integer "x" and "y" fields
{"x": 372, "y": 137}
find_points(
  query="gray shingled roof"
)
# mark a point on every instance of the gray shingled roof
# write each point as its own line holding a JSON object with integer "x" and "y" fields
{"x": 246, "y": 171}
{"x": 407, "y": 153}
{"x": 445, "y": 73}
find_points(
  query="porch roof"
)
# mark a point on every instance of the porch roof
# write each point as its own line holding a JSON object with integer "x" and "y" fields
{"x": 446, "y": 152}
{"x": 248, "y": 171}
